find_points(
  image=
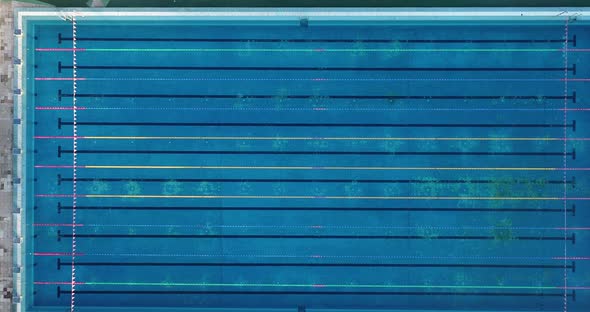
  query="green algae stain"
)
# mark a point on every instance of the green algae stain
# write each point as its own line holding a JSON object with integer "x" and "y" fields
{"x": 98, "y": 187}
{"x": 171, "y": 187}
{"x": 132, "y": 188}
{"x": 502, "y": 230}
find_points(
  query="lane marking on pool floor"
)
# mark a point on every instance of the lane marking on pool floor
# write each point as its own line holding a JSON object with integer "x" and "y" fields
{"x": 279, "y": 285}
{"x": 60, "y": 39}
{"x": 161, "y": 196}
{"x": 165, "y": 167}
{"x": 311, "y": 255}
{"x": 313, "y": 227}
{"x": 261, "y": 138}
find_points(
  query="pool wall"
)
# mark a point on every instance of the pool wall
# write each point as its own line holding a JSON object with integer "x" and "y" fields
{"x": 23, "y": 166}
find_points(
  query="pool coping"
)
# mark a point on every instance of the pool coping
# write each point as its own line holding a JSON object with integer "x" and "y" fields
{"x": 312, "y": 13}
{"x": 21, "y": 15}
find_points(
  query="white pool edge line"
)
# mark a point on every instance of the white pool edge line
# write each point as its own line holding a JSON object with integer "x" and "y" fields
{"x": 311, "y": 12}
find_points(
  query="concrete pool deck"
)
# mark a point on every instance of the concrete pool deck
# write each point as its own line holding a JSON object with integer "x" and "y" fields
{"x": 6, "y": 110}
{"x": 6, "y": 101}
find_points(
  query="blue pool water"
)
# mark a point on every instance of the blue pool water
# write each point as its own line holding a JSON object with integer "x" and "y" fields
{"x": 305, "y": 166}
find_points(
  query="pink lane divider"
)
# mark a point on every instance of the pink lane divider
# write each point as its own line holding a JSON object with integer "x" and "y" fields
{"x": 54, "y": 195}
{"x": 58, "y": 283}
{"x": 57, "y": 224}
{"x": 58, "y": 78}
{"x": 58, "y": 108}
{"x": 57, "y": 137}
{"x": 56, "y": 254}
{"x": 315, "y": 168}
{"x": 59, "y": 49}
{"x": 58, "y": 166}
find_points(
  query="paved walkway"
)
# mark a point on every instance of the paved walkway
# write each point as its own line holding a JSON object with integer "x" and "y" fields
{"x": 6, "y": 86}
{"x": 5, "y": 154}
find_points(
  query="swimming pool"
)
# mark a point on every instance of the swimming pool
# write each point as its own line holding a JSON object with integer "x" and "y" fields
{"x": 301, "y": 160}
